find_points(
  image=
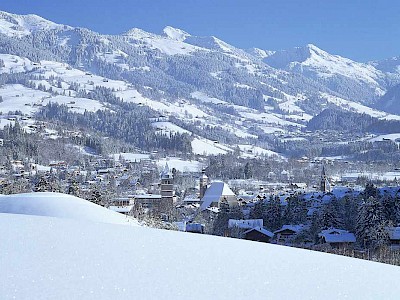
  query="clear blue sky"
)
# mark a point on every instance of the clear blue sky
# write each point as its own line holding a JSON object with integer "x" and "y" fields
{"x": 361, "y": 30}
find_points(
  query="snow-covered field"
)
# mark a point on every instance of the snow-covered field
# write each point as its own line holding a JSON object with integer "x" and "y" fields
{"x": 208, "y": 147}
{"x": 180, "y": 164}
{"x": 60, "y": 206}
{"x": 58, "y": 258}
{"x": 390, "y": 176}
{"x": 130, "y": 156}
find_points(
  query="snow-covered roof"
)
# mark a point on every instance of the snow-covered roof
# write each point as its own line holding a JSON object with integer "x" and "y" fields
{"x": 148, "y": 196}
{"x": 294, "y": 228}
{"x": 394, "y": 233}
{"x": 213, "y": 209}
{"x": 261, "y": 230}
{"x": 334, "y": 235}
{"x": 245, "y": 224}
{"x": 191, "y": 198}
{"x": 121, "y": 209}
{"x": 214, "y": 192}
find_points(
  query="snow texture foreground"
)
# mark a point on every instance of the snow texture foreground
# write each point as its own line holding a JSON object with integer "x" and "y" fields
{"x": 50, "y": 252}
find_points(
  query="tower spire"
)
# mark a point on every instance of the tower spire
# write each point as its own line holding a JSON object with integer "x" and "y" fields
{"x": 324, "y": 183}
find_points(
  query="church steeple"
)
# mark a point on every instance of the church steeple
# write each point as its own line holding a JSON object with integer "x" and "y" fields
{"x": 203, "y": 183}
{"x": 324, "y": 183}
{"x": 167, "y": 186}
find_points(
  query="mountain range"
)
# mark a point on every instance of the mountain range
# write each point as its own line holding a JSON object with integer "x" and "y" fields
{"x": 198, "y": 83}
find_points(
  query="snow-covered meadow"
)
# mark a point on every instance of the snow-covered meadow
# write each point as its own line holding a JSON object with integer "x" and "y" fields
{"x": 48, "y": 256}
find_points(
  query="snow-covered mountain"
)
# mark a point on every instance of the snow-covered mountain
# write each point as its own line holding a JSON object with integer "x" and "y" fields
{"x": 14, "y": 25}
{"x": 110, "y": 261}
{"x": 202, "y": 85}
{"x": 390, "y": 102}
{"x": 334, "y": 70}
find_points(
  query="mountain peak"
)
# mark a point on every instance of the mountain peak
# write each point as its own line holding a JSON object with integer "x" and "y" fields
{"x": 137, "y": 33}
{"x": 175, "y": 33}
{"x": 260, "y": 53}
{"x": 22, "y": 25}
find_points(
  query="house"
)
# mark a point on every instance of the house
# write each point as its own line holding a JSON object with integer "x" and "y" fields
{"x": 148, "y": 201}
{"x": 195, "y": 227}
{"x": 298, "y": 186}
{"x": 287, "y": 233}
{"x": 337, "y": 238}
{"x": 245, "y": 224}
{"x": 258, "y": 234}
{"x": 394, "y": 237}
{"x": 191, "y": 200}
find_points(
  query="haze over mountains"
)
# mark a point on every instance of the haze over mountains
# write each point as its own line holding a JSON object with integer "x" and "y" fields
{"x": 201, "y": 84}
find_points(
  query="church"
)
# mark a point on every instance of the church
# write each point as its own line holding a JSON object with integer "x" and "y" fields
{"x": 212, "y": 194}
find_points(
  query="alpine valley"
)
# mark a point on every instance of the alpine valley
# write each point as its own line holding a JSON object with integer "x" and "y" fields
{"x": 193, "y": 95}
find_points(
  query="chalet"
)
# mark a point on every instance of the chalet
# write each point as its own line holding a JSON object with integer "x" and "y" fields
{"x": 394, "y": 237}
{"x": 287, "y": 233}
{"x": 147, "y": 201}
{"x": 191, "y": 200}
{"x": 298, "y": 186}
{"x": 194, "y": 227}
{"x": 258, "y": 234}
{"x": 245, "y": 224}
{"x": 337, "y": 238}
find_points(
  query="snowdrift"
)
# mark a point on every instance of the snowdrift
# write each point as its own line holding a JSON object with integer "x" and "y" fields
{"x": 54, "y": 258}
{"x": 60, "y": 206}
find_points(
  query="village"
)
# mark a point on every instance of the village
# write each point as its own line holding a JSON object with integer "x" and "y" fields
{"x": 321, "y": 217}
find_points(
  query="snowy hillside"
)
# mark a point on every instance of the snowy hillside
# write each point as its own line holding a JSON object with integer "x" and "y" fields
{"x": 59, "y": 206}
{"x": 17, "y": 26}
{"x": 52, "y": 258}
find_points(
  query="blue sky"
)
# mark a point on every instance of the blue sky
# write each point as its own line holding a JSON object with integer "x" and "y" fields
{"x": 361, "y": 30}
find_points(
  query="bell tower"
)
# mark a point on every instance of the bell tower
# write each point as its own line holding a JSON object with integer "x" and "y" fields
{"x": 324, "y": 184}
{"x": 203, "y": 183}
{"x": 167, "y": 186}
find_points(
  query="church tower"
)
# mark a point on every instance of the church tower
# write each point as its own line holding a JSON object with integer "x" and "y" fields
{"x": 167, "y": 186}
{"x": 324, "y": 184}
{"x": 203, "y": 183}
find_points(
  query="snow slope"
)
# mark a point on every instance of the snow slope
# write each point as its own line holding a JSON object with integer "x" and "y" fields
{"x": 312, "y": 59}
{"x": 21, "y": 25}
{"x": 51, "y": 258}
{"x": 60, "y": 206}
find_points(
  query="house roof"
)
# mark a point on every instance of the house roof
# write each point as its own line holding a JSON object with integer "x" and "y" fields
{"x": 334, "y": 235}
{"x": 148, "y": 196}
{"x": 245, "y": 224}
{"x": 294, "y": 228}
{"x": 261, "y": 230}
{"x": 394, "y": 233}
{"x": 214, "y": 192}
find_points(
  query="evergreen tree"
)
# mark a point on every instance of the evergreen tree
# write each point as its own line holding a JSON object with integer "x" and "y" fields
{"x": 258, "y": 210}
{"x": 330, "y": 216}
{"x": 73, "y": 188}
{"x": 370, "y": 219}
{"x": 220, "y": 225}
{"x": 41, "y": 185}
{"x": 273, "y": 214}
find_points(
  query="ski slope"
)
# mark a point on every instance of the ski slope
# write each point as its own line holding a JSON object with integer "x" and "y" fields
{"x": 72, "y": 258}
